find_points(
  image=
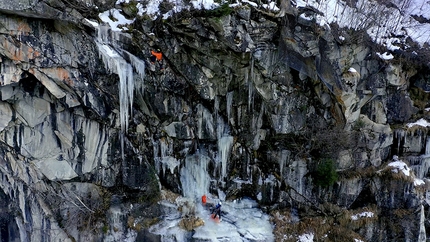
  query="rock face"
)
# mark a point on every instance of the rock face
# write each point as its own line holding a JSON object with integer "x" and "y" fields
{"x": 91, "y": 131}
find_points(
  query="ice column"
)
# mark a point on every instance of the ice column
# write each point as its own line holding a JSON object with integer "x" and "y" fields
{"x": 425, "y": 165}
{"x": 229, "y": 107}
{"x": 250, "y": 86}
{"x": 194, "y": 178}
{"x": 421, "y": 164}
{"x": 225, "y": 143}
{"x": 422, "y": 236}
{"x": 282, "y": 161}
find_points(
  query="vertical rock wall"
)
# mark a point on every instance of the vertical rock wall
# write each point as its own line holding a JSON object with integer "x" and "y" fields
{"x": 272, "y": 103}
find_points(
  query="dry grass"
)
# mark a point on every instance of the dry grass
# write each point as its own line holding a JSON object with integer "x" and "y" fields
{"x": 169, "y": 195}
{"x": 387, "y": 174}
{"x": 357, "y": 173}
{"x": 336, "y": 227}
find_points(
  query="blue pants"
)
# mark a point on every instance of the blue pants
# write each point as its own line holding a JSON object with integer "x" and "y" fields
{"x": 217, "y": 212}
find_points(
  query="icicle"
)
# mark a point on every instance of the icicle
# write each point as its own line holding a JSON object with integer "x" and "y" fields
{"x": 427, "y": 150}
{"x": 229, "y": 106}
{"x": 157, "y": 159}
{"x": 115, "y": 63}
{"x": 138, "y": 64}
{"x": 422, "y": 236}
{"x": 216, "y": 105}
{"x": 250, "y": 90}
{"x": 225, "y": 143}
{"x": 284, "y": 155}
{"x": 126, "y": 80}
{"x": 421, "y": 164}
{"x": 165, "y": 148}
{"x": 250, "y": 86}
{"x": 163, "y": 157}
{"x": 400, "y": 136}
{"x": 224, "y": 148}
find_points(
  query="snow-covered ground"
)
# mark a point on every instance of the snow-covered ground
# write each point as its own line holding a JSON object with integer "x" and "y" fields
{"x": 242, "y": 220}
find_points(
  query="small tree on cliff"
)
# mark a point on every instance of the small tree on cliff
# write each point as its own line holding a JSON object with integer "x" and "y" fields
{"x": 325, "y": 174}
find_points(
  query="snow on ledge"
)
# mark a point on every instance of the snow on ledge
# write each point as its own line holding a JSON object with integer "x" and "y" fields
{"x": 362, "y": 215}
{"x": 421, "y": 122}
{"x": 418, "y": 182}
{"x": 352, "y": 70}
{"x": 385, "y": 55}
{"x": 120, "y": 19}
{"x": 400, "y": 166}
{"x": 250, "y": 3}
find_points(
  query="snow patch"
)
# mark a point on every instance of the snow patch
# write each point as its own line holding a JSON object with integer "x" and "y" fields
{"x": 400, "y": 166}
{"x": 306, "y": 238}
{"x": 418, "y": 182}
{"x": 362, "y": 215}
{"x": 204, "y": 4}
{"x": 352, "y": 70}
{"x": 271, "y": 6}
{"x": 250, "y": 3}
{"x": 115, "y": 19}
{"x": 385, "y": 55}
{"x": 421, "y": 122}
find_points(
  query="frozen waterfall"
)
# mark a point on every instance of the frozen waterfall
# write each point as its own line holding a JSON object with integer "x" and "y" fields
{"x": 225, "y": 144}
{"x": 421, "y": 164}
{"x": 195, "y": 179}
{"x": 242, "y": 220}
{"x": 116, "y": 63}
{"x": 125, "y": 65}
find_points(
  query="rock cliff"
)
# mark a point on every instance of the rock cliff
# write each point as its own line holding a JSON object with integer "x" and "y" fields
{"x": 311, "y": 121}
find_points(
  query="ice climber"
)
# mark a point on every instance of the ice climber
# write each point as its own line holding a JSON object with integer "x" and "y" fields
{"x": 157, "y": 56}
{"x": 217, "y": 211}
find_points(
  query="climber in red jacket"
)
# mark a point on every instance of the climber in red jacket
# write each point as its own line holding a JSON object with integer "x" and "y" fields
{"x": 157, "y": 56}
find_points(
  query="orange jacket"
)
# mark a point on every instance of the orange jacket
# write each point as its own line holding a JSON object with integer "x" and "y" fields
{"x": 157, "y": 55}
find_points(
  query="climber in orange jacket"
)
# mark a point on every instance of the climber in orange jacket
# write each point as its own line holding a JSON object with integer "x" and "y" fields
{"x": 157, "y": 56}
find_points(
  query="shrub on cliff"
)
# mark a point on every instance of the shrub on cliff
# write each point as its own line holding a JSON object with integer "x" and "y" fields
{"x": 325, "y": 174}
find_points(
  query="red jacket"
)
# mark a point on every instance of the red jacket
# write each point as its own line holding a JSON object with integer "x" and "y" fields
{"x": 157, "y": 55}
